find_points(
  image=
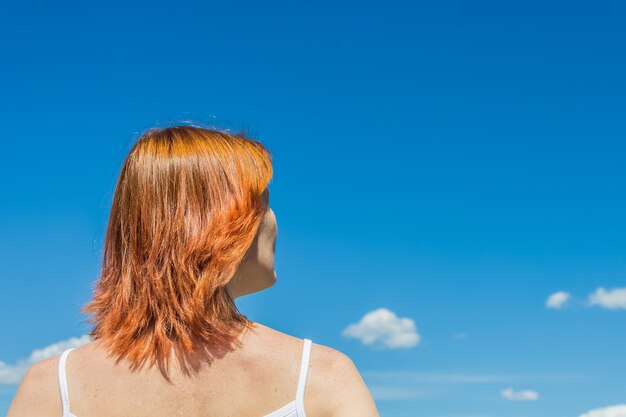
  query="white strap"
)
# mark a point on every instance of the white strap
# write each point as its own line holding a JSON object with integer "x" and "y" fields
{"x": 65, "y": 398}
{"x": 304, "y": 370}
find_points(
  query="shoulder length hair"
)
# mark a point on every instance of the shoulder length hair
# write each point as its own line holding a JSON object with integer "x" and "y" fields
{"x": 186, "y": 207}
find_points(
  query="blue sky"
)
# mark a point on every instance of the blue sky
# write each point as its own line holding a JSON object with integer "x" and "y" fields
{"x": 454, "y": 163}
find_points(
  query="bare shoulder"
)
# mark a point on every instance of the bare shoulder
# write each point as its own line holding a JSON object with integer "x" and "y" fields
{"x": 38, "y": 393}
{"x": 334, "y": 386}
{"x": 337, "y": 384}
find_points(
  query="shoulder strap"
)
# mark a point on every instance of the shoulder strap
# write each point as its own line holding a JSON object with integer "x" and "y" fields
{"x": 304, "y": 370}
{"x": 65, "y": 399}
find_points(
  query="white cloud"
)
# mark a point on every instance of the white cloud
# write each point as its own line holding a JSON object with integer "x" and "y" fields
{"x": 459, "y": 336}
{"x": 381, "y": 328}
{"x": 611, "y": 299}
{"x": 398, "y": 393}
{"x": 526, "y": 395}
{"x": 11, "y": 374}
{"x": 611, "y": 411}
{"x": 407, "y": 385}
{"x": 557, "y": 300}
{"x": 439, "y": 377}
{"x": 433, "y": 377}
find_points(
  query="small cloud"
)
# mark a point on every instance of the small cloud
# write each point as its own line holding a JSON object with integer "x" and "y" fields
{"x": 557, "y": 300}
{"x": 434, "y": 377}
{"x": 443, "y": 377}
{"x": 11, "y": 374}
{"x": 381, "y": 328}
{"x": 459, "y": 336}
{"x": 612, "y": 299}
{"x": 611, "y": 411}
{"x": 398, "y": 393}
{"x": 526, "y": 395}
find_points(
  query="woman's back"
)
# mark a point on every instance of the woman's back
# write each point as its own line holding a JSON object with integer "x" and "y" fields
{"x": 255, "y": 380}
{"x": 260, "y": 379}
{"x": 190, "y": 230}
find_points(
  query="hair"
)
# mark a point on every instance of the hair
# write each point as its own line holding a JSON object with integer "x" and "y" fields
{"x": 186, "y": 207}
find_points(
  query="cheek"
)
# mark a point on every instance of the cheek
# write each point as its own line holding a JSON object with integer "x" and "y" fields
{"x": 271, "y": 221}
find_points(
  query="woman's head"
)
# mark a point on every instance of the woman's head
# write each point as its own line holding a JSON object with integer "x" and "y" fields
{"x": 190, "y": 228}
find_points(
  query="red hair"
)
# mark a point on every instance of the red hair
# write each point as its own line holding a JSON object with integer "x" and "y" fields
{"x": 186, "y": 207}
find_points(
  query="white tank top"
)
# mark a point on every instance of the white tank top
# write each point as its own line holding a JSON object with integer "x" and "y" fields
{"x": 293, "y": 408}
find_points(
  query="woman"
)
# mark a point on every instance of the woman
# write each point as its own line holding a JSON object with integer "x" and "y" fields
{"x": 190, "y": 230}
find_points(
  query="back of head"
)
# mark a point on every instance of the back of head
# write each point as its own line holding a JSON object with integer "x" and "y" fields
{"x": 186, "y": 207}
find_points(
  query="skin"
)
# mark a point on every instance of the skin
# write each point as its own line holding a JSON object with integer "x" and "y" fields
{"x": 251, "y": 381}
{"x": 256, "y": 270}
